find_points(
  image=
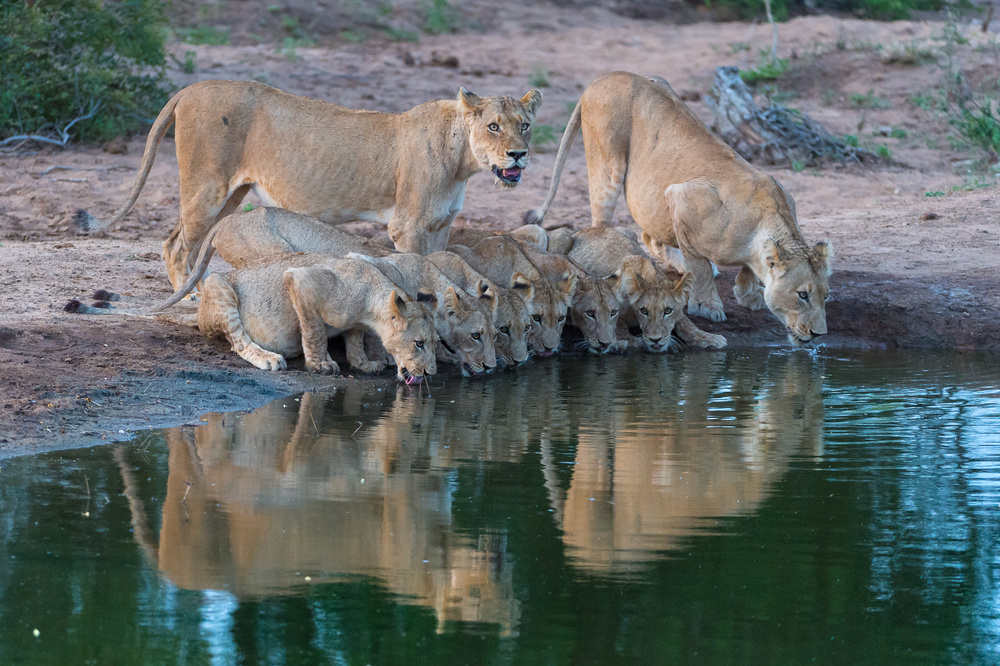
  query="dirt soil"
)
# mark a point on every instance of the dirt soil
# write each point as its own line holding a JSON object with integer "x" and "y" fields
{"x": 911, "y": 270}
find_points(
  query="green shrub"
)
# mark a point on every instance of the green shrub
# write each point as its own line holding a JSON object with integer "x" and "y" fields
{"x": 766, "y": 72}
{"x": 976, "y": 122}
{"x": 874, "y": 9}
{"x": 61, "y": 58}
{"x": 440, "y": 18}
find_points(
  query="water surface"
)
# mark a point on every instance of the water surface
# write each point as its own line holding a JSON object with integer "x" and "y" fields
{"x": 712, "y": 508}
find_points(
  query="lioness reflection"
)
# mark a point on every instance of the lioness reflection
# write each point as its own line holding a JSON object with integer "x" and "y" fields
{"x": 257, "y": 502}
{"x": 643, "y": 483}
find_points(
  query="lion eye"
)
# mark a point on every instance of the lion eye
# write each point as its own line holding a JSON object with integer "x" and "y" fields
{"x": 476, "y": 336}
{"x": 419, "y": 344}
{"x": 527, "y": 328}
{"x": 804, "y": 295}
{"x": 827, "y": 297}
{"x": 614, "y": 313}
{"x": 493, "y": 127}
{"x": 562, "y": 318}
{"x": 536, "y": 318}
{"x": 525, "y": 127}
{"x": 644, "y": 311}
{"x": 590, "y": 313}
{"x": 668, "y": 311}
{"x": 505, "y": 330}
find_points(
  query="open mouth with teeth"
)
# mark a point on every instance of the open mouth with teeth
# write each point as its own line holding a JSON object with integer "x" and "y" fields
{"x": 410, "y": 378}
{"x": 469, "y": 371}
{"x": 509, "y": 177}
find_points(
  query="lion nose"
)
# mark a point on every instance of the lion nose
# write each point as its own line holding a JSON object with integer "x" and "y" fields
{"x": 655, "y": 340}
{"x": 487, "y": 367}
{"x": 517, "y": 154}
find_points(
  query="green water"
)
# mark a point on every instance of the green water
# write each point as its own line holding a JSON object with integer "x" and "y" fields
{"x": 777, "y": 508}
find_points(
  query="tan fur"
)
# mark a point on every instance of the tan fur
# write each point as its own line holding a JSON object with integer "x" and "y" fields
{"x": 257, "y": 235}
{"x": 595, "y": 306}
{"x": 335, "y": 164}
{"x": 464, "y": 328}
{"x": 502, "y": 260}
{"x": 531, "y": 233}
{"x": 689, "y": 191}
{"x": 511, "y": 322}
{"x": 654, "y": 302}
{"x": 293, "y": 304}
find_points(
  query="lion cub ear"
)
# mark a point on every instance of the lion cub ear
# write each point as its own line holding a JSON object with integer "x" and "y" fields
{"x": 427, "y": 296}
{"x": 631, "y": 282}
{"x": 682, "y": 288}
{"x": 567, "y": 284}
{"x": 520, "y": 282}
{"x": 452, "y": 302}
{"x": 532, "y": 101}
{"x": 775, "y": 256}
{"x": 471, "y": 101}
{"x": 397, "y": 304}
{"x": 485, "y": 291}
{"x": 824, "y": 253}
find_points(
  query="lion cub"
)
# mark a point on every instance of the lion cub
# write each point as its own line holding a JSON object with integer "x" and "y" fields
{"x": 656, "y": 304}
{"x": 465, "y": 335}
{"x": 511, "y": 322}
{"x": 595, "y": 305}
{"x": 501, "y": 259}
{"x": 263, "y": 233}
{"x": 295, "y": 303}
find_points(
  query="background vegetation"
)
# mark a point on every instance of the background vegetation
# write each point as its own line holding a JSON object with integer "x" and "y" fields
{"x": 61, "y": 59}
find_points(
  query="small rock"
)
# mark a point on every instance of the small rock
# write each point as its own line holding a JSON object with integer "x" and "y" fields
{"x": 929, "y": 216}
{"x": 444, "y": 61}
{"x": 408, "y": 59}
{"x": 116, "y": 146}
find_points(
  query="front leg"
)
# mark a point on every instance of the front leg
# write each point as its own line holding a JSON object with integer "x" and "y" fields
{"x": 306, "y": 289}
{"x": 694, "y": 336}
{"x": 354, "y": 340}
{"x": 748, "y": 290}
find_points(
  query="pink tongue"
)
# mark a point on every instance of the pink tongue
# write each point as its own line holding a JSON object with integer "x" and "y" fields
{"x": 414, "y": 379}
{"x": 511, "y": 173}
{"x": 545, "y": 354}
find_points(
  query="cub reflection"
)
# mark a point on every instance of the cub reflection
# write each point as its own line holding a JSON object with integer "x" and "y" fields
{"x": 257, "y": 502}
{"x": 719, "y": 439}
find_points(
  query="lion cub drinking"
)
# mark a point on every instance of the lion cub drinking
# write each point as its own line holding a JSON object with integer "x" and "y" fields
{"x": 502, "y": 260}
{"x": 293, "y": 304}
{"x": 465, "y": 332}
{"x": 656, "y": 304}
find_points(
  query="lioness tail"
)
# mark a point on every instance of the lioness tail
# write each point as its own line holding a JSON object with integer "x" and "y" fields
{"x": 200, "y": 266}
{"x": 87, "y": 222}
{"x": 537, "y": 216}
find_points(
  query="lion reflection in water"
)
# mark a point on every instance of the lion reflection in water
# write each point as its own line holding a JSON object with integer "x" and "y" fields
{"x": 648, "y": 483}
{"x": 256, "y": 502}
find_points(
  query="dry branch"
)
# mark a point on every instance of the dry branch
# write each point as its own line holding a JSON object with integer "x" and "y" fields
{"x": 774, "y": 134}
{"x": 63, "y": 137}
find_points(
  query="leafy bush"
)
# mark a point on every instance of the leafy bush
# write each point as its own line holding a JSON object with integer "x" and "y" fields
{"x": 61, "y": 58}
{"x": 768, "y": 71}
{"x": 976, "y": 122}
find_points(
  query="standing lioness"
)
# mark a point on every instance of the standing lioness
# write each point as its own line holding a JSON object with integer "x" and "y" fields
{"x": 687, "y": 189}
{"x": 405, "y": 170}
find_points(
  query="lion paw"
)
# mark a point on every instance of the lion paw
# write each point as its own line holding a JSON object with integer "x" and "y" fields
{"x": 266, "y": 360}
{"x": 710, "y": 341}
{"x": 369, "y": 367}
{"x": 712, "y": 312}
{"x": 751, "y": 300}
{"x": 324, "y": 368}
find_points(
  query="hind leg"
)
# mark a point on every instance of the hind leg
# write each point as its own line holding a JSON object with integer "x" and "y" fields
{"x": 748, "y": 290}
{"x": 607, "y": 179}
{"x": 203, "y": 202}
{"x": 309, "y": 290}
{"x": 219, "y": 316}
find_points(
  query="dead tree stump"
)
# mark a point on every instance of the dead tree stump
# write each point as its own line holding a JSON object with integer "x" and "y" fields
{"x": 773, "y": 134}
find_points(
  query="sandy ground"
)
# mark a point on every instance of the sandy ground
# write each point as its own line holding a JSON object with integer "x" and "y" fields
{"x": 911, "y": 270}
